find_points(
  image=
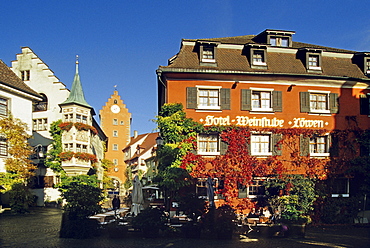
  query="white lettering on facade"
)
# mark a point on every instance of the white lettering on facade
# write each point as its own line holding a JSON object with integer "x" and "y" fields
{"x": 258, "y": 122}
{"x": 222, "y": 121}
{"x": 302, "y": 122}
{"x": 262, "y": 122}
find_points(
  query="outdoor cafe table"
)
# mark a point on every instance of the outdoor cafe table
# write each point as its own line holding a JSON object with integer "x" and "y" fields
{"x": 101, "y": 217}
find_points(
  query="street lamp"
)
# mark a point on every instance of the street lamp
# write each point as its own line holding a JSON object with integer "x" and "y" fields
{"x": 39, "y": 151}
{"x": 159, "y": 140}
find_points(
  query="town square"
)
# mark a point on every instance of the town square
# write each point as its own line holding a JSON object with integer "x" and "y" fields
{"x": 198, "y": 124}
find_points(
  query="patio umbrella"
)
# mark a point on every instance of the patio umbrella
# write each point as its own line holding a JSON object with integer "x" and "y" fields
{"x": 210, "y": 192}
{"x": 137, "y": 196}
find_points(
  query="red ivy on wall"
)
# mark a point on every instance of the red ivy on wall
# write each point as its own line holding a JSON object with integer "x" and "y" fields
{"x": 238, "y": 167}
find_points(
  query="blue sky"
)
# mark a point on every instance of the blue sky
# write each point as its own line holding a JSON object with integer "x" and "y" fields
{"x": 122, "y": 42}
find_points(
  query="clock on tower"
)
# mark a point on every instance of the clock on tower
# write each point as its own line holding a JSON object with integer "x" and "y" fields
{"x": 115, "y": 109}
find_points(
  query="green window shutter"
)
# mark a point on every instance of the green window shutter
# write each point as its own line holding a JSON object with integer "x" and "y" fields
{"x": 364, "y": 105}
{"x": 333, "y": 145}
{"x": 223, "y": 147}
{"x": 304, "y": 101}
{"x": 333, "y": 101}
{"x": 277, "y": 101}
{"x": 276, "y": 148}
{"x": 248, "y": 145}
{"x": 225, "y": 98}
{"x": 246, "y": 99}
{"x": 191, "y": 97}
{"x": 304, "y": 145}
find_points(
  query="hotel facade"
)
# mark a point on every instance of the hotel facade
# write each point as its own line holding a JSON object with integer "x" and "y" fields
{"x": 305, "y": 107}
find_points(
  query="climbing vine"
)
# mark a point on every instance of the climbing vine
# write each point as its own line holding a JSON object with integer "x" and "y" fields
{"x": 238, "y": 167}
{"x": 53, "y": 161}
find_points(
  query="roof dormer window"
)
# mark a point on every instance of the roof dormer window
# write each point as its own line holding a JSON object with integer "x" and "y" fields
{"x": 367, "y": 66}
{"x": 208, "y": 53}
{"x": 362, "y": 60}
{"x": 312, "y": 59}
{"x": 257, "y": 56}
{"x": 279, "y": 41}
{"x": 275, "y": 38}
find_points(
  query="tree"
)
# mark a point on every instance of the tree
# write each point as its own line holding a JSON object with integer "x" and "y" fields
{"x": 18, "y": 165}
{"x": 82, "y": 194}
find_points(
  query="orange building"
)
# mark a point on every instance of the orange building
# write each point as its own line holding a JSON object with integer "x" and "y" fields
{"x": 115, "y": 120}
{"x": 299, "y": 101}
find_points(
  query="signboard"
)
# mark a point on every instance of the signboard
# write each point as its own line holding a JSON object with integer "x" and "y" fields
{"x": 247, "y": 121}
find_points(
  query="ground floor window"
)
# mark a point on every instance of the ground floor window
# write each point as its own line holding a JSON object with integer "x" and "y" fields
{"x": 254, "y": 189}
{"x": 340, "y": 187}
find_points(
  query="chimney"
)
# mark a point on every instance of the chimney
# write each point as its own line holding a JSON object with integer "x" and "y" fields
{"x": 135, "y": 134}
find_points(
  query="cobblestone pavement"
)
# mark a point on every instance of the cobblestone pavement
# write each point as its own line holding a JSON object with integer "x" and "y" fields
{"x": 40, "y": 228}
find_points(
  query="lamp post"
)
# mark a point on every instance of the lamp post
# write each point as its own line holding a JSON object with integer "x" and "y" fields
{"x": 39, "y": 151}
{"x": 159, "y": 141}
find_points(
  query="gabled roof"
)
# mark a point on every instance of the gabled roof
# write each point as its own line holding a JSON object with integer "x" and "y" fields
{"x": 10, "y": 79}
{"x": 144, "y": 141}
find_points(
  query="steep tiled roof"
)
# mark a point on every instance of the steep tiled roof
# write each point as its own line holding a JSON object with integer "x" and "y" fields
{"x": 10, "y": 79}
{"x": 278, "y": 61}
{"x": 147, "y": 143}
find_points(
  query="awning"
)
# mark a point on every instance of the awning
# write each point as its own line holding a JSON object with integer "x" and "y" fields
{"x": 38, "y": 139}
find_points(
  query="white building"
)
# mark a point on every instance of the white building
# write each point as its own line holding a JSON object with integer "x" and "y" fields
{"x": 56, "y": 103}
{"x": 37, "y": 75}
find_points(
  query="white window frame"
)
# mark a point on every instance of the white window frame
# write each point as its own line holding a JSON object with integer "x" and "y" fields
{"x": 115, "y": 122}
{"x": 261, "y": 90}
{"x": 367, "y": 65}
{"x": 208, "y": 88}
{"x": 255, "y": 144}
{"x": 278, "y": 41}
{"x": 4, "y": 103}
{"x": 204, "y": 138}
{"x": 115, "y": 147}
{"x": 259, "y": 183}
{"x": 258, "y": 60}
{"x": 317, "y": 61}
{"x": 336, "y": 194}
{"x": 3, "y": 147}
{"x": 321, "y": 111}
{"x": 327, "y": 145}
{"x": 115, "y": 133}
{"x": 78, "y": 118}
{"x": 208, "y": 54}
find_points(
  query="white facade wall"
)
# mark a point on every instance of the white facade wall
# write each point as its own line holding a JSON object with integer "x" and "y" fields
{"x": 21, "y": 108}
{"x": 42, "y": 80}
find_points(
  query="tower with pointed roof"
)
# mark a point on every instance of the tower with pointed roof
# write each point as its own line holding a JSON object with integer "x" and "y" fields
{"x": 77, "y": 117}
{"x": 115, "y": 120}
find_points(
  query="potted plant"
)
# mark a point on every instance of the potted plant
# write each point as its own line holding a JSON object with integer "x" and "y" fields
{"x": 293, "y": 216}
{"x": 149, "y": 221}
{"x": 291, "y": 210}
{"x": 193, "y": 207}
{"x": 220, "y": 222}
